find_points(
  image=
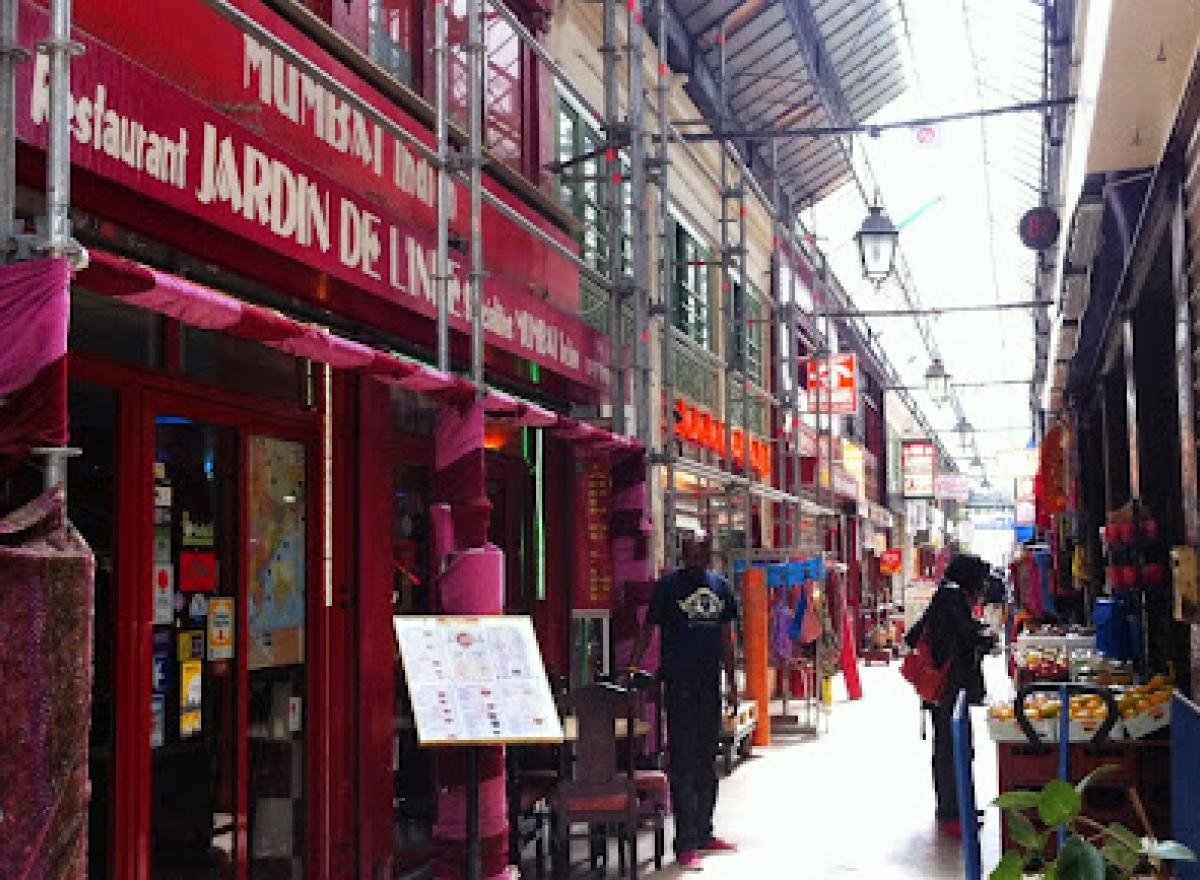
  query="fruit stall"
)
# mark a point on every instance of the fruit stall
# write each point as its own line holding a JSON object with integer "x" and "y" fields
{"x": 1124, "y": 728}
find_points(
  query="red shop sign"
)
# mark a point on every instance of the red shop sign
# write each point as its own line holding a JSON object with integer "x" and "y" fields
{"x": 891, "y": 561}
{"x": 214, "y": 124}
{"x": 696, "y": 425}
{"x": 833, "y": 383}
{"x": 593, "y": 557}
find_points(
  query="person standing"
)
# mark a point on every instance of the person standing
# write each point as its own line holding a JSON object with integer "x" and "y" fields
{"x": 696, "y": 612}
{"x": 958, "y": 639}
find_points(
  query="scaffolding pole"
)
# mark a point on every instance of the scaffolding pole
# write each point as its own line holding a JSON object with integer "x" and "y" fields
{"x": 10, "y": 55}
{"x": 474, "y": 161}
{"x": 666, "y": 253}
{"x": 639, "y": 225}
{"x": 441, "y": 52}
{"x": 613, "y": 211}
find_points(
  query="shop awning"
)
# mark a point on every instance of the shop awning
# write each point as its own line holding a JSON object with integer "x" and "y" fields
{"x": 199, "y": 306}
{"x": 725, "y": 479}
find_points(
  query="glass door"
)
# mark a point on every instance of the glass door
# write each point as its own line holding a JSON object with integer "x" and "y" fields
{"x": 194, "y": 690}
{"x": 229, "y": 682}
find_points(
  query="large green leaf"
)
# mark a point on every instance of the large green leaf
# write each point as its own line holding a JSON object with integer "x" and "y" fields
{"x": 1079, "y": 860}
{"x": 1018, "y": 800}
{"x": 1010, "y": 868}
{"x": 1021, "y": 828}
{"x": 1059, "y": 803}
{"x": 1102, "y": 770}
{"x": 1124, "y": 836}
{"x": 1120, "y": 856}
{"x": 1167, "y": 849}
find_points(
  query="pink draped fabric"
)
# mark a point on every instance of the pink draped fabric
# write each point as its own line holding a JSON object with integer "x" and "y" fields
{"x": 472, "y": 582}
{"x": 34, "y": 307}
{"x": 46, "y": 597}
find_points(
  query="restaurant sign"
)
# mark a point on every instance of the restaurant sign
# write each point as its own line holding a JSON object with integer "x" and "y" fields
{"x": 217, "y": 125}
{"x": 694, "y": 424}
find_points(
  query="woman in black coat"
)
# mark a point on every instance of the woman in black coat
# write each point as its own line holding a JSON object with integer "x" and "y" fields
{"x": 957, "y": 638}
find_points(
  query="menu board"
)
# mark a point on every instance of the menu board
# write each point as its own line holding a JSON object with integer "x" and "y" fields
{"x": 476, "y": 681}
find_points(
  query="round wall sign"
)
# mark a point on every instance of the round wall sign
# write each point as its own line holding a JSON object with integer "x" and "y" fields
{"x": 1039, "y": 228}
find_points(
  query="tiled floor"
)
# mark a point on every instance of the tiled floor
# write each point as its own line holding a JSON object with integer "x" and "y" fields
{"x": 855, "y": 803}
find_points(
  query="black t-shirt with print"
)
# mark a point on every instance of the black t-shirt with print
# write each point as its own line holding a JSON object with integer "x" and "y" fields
{"x": 691, "y": 609}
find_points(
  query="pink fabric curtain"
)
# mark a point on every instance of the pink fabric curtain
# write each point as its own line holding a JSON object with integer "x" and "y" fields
{"x": 33, "y": 347}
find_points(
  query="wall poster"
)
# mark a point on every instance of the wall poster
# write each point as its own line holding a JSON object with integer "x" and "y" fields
{"x": 276, "y": 552}
{"x": 476, "y": 680}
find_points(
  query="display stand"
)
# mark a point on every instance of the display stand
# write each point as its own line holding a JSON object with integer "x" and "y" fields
{"x": 472, "y": 682}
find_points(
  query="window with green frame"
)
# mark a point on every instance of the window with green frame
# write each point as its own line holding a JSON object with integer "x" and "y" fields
{"x": 583, "y": 188}
{"x": 693, "y": 313}
{"x": 753, "y": 325}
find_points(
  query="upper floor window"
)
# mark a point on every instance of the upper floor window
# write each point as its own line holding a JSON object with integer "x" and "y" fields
{"x": 393, "y": 29}
{"x": 504, "y": 131}
{"x": 583, "y": 188}
{"x": 751, "y": 330}
{"x": 692, "y": 296}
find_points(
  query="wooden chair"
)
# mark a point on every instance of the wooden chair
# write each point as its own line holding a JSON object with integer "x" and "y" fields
{"x": 650, "y": 778}
{"x": 532, "y": 777}
{"x": 595, "y": 788}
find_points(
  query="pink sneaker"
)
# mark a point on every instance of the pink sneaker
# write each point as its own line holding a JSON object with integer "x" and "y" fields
{"x": 717, "y": 846}
{"x": 689, "y": 861}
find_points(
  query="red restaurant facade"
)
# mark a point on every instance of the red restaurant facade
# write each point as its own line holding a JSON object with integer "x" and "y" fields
{"x": 262, "y": 446}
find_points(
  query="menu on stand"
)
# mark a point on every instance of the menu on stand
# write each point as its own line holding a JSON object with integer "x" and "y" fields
{"x": 476, "y": 681}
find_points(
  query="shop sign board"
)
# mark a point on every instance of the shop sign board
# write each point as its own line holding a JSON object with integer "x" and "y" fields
{"x": 476, "y": 681}
{"x": 593, "y": 556}
{"x": 954, "y": 487}
{"x": 695, "y": 424}
{"x": 206, "y": 120}
{"x": 833, "y": 382}
{"x": 919, "y": 463}
{"x": 854, "y": 460}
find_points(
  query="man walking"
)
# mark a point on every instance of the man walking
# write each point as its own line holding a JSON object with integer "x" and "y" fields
{"x": 696, "y": 612}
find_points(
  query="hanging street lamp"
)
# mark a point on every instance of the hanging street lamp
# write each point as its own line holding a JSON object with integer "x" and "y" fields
{"x": 937, "y": 382}
{"x": 877, "y": 240}
{"x": 977, "y": 467}
{"x": 964, "y": 429}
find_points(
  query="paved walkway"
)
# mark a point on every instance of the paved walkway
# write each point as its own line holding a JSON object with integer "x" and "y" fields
{"x": 856, "y": 803}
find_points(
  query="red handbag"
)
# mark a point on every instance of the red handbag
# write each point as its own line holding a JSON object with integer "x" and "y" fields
{"x": 926, "y": 677}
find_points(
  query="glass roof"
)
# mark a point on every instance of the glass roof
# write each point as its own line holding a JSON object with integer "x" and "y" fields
{"x": 957, "y": 192}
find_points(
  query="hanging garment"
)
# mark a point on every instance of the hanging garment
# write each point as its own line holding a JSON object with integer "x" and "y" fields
{"x": 810, "y": 623}
{"x": 779, "y": 641}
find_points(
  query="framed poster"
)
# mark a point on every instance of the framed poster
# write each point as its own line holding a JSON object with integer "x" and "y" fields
{"x": 476, "y": 681}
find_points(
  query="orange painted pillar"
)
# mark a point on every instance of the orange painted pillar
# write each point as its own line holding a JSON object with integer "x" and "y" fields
{"x": 755, "y": 629}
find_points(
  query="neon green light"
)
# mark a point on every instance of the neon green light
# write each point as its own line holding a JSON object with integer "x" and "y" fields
{"x": 539, "y": 513}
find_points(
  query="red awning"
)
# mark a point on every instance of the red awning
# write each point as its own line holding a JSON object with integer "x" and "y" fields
{"x": 199, "y": 306}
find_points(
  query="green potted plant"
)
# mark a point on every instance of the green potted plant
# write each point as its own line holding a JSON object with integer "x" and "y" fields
{"x": 1092, "y": 851}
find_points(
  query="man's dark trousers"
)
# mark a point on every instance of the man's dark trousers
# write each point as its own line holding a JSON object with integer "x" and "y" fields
{"x": 694, "y": 733}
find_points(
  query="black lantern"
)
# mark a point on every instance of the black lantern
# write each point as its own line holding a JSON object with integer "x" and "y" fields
{"x": 964, "y": 429}
{"x": 877, "y": 241}
{"x": 937, "y": 382}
